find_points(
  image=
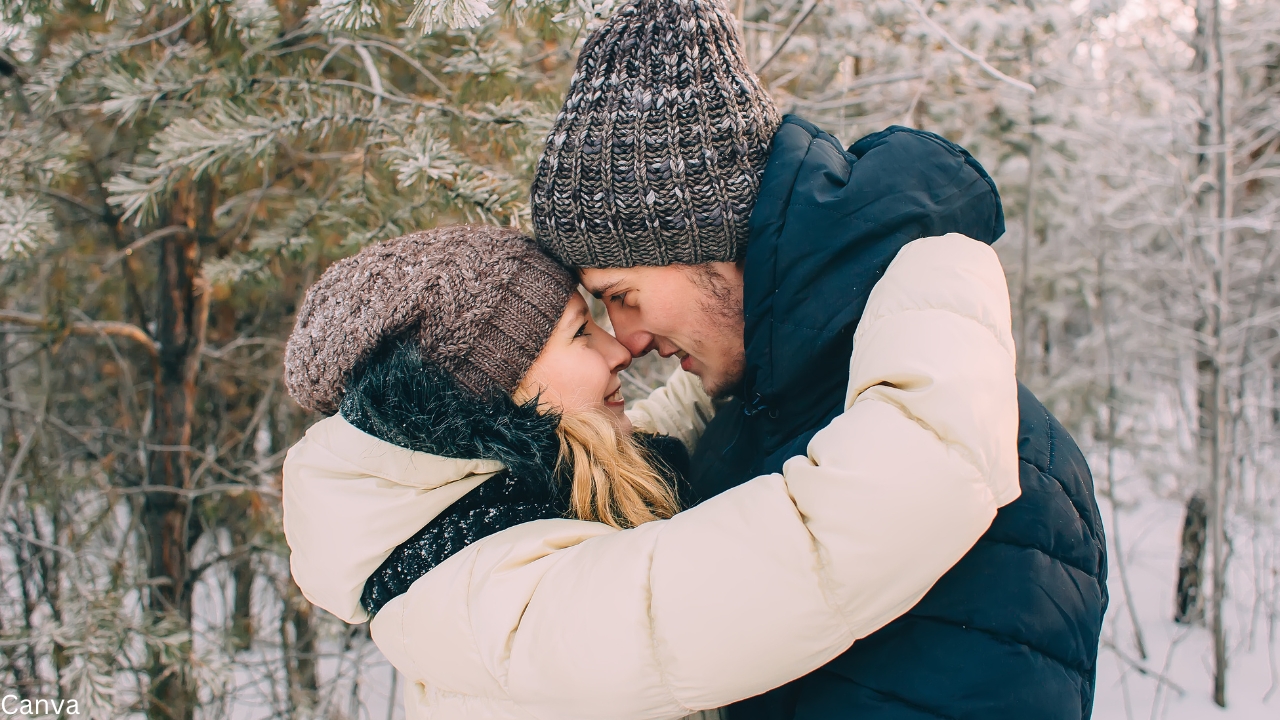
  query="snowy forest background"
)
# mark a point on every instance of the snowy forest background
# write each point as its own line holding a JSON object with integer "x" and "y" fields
{"x": 174, "y": 174}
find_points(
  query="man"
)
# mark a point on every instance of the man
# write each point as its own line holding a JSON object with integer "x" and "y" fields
{"x": 747, "y": 245}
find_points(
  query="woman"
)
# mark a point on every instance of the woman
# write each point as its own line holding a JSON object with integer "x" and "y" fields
{"x": 479, "y": 495}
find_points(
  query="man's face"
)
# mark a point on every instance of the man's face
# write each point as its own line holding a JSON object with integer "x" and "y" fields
{"x": 693, "y": 312}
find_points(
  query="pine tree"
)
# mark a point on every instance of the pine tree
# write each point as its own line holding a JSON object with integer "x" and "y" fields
{"x": 173, "y": 176}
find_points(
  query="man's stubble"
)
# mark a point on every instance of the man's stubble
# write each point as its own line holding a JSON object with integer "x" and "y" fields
{"x": 722, "y": 324}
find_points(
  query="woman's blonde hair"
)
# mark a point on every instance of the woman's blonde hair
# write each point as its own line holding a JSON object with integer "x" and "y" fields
{"x": 612, "y": 479}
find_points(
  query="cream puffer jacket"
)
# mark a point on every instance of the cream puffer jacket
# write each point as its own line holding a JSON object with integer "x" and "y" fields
{"x": 565, "y": 619}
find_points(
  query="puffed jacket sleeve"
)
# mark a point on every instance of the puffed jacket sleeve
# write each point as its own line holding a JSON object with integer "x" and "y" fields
{"x": 680, "y": 408}
{"x": 769, "y": 580}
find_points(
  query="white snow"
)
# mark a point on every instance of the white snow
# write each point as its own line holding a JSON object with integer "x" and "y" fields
{"x": 1179, "y": 685}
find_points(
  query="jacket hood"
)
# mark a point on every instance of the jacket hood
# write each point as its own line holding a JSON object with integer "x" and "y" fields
{"x": 409, "y": 442}
{"x": 826, "y": 225}
{"x": 402, "y": 399}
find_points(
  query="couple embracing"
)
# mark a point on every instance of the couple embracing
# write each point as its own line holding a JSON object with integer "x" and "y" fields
{"x": 842, "y": 505}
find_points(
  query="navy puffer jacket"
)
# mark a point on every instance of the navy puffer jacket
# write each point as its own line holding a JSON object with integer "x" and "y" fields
{"x": 1011, "y": 632}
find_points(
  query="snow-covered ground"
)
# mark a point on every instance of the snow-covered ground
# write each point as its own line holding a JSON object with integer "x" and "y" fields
{"x": 1175, "y": 682}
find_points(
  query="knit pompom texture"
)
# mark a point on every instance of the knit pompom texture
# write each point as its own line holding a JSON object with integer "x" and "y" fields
{"x": 479, "y": 301}
{"x": 657, "y": 153}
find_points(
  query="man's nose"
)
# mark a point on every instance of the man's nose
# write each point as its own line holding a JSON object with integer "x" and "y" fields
{"x": 665, "y": 347}
{"x": 631, "y": 335}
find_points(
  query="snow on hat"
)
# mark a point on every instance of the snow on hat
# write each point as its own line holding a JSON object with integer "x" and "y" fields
{"x": 657, "y": 154}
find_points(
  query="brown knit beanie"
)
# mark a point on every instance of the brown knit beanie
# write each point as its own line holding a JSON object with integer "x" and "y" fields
{"x": 657, "y": 154}
{"x": 481, "y": 302}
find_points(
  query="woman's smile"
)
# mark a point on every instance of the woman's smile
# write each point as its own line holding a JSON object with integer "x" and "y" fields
{"x": 615, "y": 398}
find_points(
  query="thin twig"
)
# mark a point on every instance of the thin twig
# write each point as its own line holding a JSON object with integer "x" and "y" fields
{"x": 198, "y": 492}
{"x": 629, "y": 377}
{"x": 444, "y": 89}
{"x": 12, "y": 476}
{"x": 142, "y": 242}
{"x": 97, "y": 327}
{"x": 786, "y": 37}
{"x": 375, "y": 77}
{"x": 236, "y": 554}
{"x": 41, "y": 543}
{"x": 1143, "y": 669}
{"x": 837, "y": 99}
{"x": 220, "y": 353}
{"x": 109, "y": 49}
{"x": 982, "y": 62}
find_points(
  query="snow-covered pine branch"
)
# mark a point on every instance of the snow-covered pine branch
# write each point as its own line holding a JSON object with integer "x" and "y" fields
{"x": 25, "y": 225}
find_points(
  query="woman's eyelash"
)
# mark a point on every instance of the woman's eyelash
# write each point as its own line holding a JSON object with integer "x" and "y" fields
{"x": 618, "y": 298}
{"x": 581, "y": 331}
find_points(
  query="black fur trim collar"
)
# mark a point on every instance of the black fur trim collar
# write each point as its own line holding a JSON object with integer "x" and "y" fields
{"x": 398, "y": 397}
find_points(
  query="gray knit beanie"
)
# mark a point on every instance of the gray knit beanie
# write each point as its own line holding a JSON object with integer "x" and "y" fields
{"x": 657, "y": 154}
{"x": 480, "y": 301}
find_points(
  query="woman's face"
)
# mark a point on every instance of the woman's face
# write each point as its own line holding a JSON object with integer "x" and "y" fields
{"x": 578, "y": 368}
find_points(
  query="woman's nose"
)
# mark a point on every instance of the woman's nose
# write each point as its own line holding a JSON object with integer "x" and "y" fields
{"x": 615, "y": 353}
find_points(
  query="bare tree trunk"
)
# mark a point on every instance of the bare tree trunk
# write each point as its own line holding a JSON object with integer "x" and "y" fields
{"x": 22, "y": 558}
{"x": 1189, "y": 602}
{"x": 1113, "y": 414}
{"x": 241, "y": 634}
{"x": 1028, "y": 221}
{"x": 1189, "y": 593}
{"x": 300, "y": 655}
{"x": 10, "y": 442}
{"x": 1220, "y": 445}
{"x": 1217, "y": 542}
{"x": 182, "y": 311}
{"x": 1028, "y": 241}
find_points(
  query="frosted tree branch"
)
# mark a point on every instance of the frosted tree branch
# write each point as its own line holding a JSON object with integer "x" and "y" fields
{"x": 981, "y": 61}
{"x": 790, "y": 32}
{"x": 432, "y": 14}
{"x": 98, "y": 327}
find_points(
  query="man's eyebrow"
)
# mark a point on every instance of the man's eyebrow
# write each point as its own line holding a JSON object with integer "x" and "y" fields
{"x": 606, "y": 289}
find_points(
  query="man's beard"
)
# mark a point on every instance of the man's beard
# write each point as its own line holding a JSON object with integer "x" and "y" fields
{"x": 721, "y": 316}
{"x": 730, "y": 383}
